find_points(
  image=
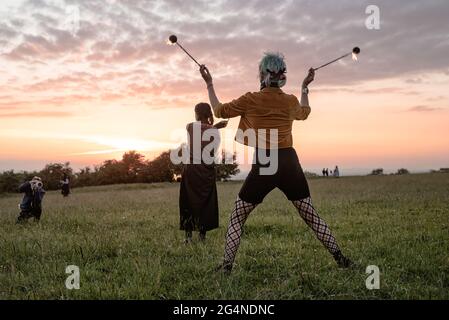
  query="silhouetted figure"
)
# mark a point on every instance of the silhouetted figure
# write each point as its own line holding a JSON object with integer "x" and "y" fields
{"x": 324, "y": 172}
{"x": 336, "y": 172}
{"x": 198, "y": 200}
{"x": 31, "y": 205}
{"x": 65, "y": 185}
{"x": 327, "y": 172}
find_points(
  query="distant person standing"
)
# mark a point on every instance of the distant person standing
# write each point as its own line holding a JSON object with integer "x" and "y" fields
{"x": 327, "y": 172}
{"x": 31, "y": 205}
{"x": 324, "y": 172}
{"x": 336, "y": 172}
{"x": 198, "y": 199}
{"x": 65, "y": 185}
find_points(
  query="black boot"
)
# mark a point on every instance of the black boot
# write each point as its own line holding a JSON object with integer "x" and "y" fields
{"x": 23, "y": 217}
{"x": 202, "y": 236}
{"x": 342, "y": 261}
{"x": 188, "y": 239}
{"x": 20, "y": 220}
{"x": 224, "y": 268}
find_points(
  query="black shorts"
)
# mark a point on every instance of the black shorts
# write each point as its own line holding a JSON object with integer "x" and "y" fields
{"x": 289, "y": 178}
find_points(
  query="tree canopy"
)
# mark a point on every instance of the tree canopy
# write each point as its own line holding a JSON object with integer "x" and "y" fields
{"x": 132, "y": 168}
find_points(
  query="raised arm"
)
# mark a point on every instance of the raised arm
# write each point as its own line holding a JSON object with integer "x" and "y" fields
{"x": 25, "y": 187}
{"x": 232, "y": 109}
{"x": 221, "y": 124}
{"x": 214, "y": 102}
{"x": 303, "y": 110}
{"x": 304, "y": 88}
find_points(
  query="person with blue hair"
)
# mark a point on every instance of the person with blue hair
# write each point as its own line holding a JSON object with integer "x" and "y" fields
{"x": 262, "y": 111}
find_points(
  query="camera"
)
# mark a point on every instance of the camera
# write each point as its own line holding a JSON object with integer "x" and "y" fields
{"x": 36, "y": 184}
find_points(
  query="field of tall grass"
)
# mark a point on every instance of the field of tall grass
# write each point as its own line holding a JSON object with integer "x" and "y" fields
{"x": 126, "y": 241}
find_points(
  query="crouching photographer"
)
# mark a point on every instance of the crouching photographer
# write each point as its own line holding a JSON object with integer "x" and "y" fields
{"x": 31, "y": 205}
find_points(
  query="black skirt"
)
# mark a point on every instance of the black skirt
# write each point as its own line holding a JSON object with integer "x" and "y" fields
{"x": 198, "y": 200}
{"x": 65, "y": 190}
{"x": 289, "y": 178}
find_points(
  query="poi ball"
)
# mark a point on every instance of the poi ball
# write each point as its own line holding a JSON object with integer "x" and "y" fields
{"x": 174, "y": 39}
{"x": 356, "y": 50}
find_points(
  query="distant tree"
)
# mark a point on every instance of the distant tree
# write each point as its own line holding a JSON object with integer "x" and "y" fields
{"x": 10, "y": 181}
{"x": 52, "y": 174}
{"x": 226, "y": 170}
{"x": 110, "y": 172}
{"x": 85, "y": 177}
{"x": 402, "y": 171}
{"x": 377, "y": 172}
{"x": 27, "y": 176}
{"x": 133, "y": 164}
{"x": 309, "y": 174}
{"x": 131, "y": 168}
{"x": 161, "y": 169}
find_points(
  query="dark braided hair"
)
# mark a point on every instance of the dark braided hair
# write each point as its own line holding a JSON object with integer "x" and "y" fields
{"x": 204, "y": 112}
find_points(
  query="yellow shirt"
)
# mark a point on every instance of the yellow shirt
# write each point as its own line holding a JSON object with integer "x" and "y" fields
{"x": 268, "y": 109}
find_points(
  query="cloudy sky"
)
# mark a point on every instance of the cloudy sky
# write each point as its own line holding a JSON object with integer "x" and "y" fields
{"x": 83, "y": 81}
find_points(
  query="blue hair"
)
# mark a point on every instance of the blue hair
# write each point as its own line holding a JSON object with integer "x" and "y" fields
{"x": 271, "y": 64}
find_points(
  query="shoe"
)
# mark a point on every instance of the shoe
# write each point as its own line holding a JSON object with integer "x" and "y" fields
{"x": 342, "y": 261}
{"x": 224, "y": 268}
{"x": 21, "y": 220}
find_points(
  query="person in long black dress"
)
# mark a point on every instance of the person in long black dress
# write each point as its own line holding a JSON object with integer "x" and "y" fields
{"x": 65, "y": 185}
{"x": 198, "y": 200}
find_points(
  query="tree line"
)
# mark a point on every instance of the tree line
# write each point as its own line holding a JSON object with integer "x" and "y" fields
{"x": 132, "y": 168}
{"x": 380, "y": 171}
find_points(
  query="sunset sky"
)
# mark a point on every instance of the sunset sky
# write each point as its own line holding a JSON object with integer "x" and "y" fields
{"x": 90, "y": 93}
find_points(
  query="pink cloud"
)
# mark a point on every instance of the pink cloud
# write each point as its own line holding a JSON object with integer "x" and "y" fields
{"x": 36, "y": 114}
{"x": 424, "y": 109}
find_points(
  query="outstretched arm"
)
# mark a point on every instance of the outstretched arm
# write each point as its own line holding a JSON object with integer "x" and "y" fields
{"x": 214, "y": 102}
{"x": 232, "y": 109}
{"x": 304, "y": 93}
{"x": 221, "y": 124}
{"x": 25, "y": 187}
{"x": 303, "y": 109}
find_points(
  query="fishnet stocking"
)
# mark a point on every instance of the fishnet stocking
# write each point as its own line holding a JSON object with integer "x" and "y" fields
{"x": 241, "y": 212}
{"x": 318, "y": 225}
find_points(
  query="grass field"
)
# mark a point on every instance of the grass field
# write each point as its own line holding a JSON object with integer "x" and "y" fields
{"x": 126, "y": 241}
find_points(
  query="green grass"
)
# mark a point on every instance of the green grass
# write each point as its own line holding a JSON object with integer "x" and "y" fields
{"x": 126, "y": 241}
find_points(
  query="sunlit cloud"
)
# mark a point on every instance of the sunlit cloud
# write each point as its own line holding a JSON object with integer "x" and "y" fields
{"x": 125, "y": 144}
{"x": 36, "y": 114}
{"x": 116, "y": 84}
{"x": 424, "y": 109}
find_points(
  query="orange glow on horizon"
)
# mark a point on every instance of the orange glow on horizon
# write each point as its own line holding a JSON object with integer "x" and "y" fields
{"x": 113, "y": 85}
